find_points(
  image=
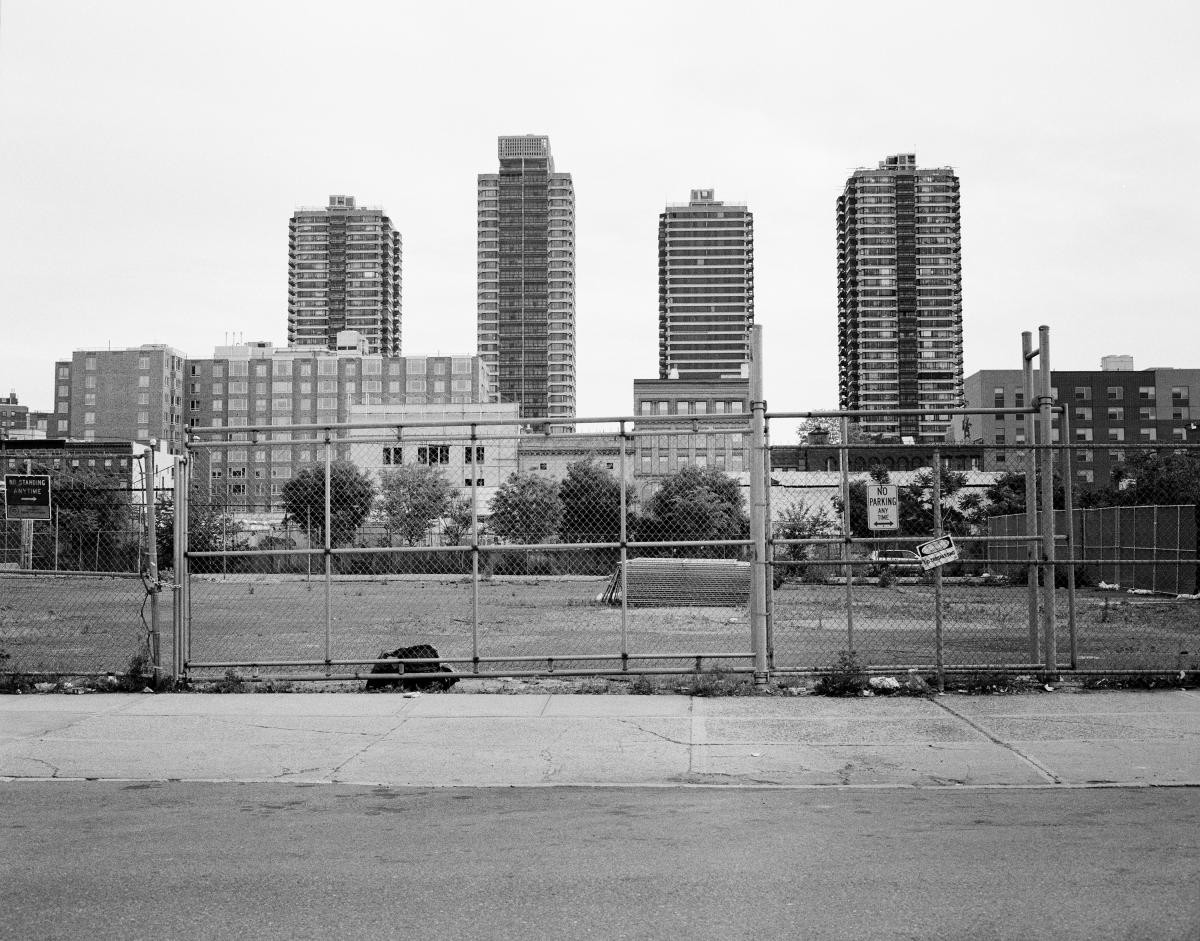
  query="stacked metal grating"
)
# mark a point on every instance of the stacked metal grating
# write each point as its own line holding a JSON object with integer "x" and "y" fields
{"x": 717, "y": 583}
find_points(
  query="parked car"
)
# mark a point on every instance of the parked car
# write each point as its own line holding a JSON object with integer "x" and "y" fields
{"x": 900, "y": 561}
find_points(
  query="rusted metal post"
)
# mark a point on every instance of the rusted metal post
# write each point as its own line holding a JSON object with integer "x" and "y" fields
{"x": 1028, "y": 353}
{"x": 474, "y": 559}
{"x": 847, "y": 568}
{"x": 1045, "y": 403}
{"x": 758, "y": 508}
{"x": 1066, "y": 464}
{"x": 939, "y": 652}
{"x": 328, "y": 550}
{"x": 152, "y": 586}
{"x": 624, "y": 557}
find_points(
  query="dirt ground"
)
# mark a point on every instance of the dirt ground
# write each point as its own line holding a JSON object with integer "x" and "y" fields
{"x": 95, "y": 624}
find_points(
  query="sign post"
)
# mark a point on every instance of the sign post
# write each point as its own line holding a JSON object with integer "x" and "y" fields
{"x": 26, "y": 498}
{"x": 883, "y": 507}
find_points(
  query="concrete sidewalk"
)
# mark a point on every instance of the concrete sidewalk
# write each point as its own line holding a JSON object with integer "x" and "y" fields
{"x": 477, "y": 740}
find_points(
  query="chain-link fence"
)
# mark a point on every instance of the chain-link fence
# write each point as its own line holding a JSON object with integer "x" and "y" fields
{"x": 317, "y": 551}
{"x": 632, "y": 547}
{"x": 76, "y": 589}
{"x": 651, "y": 543}
{"x": 847, "y": 578}
{"x": 1121, "y": 597}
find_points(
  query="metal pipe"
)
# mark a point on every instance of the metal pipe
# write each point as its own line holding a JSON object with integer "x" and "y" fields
{"x": 328, "y": 546}
{"x": 153, "y": 587}
{"x": 347, "y": 677}
{"x": 827, "y": 541}
{"x": 434, "y": 423}
{"x": 183, "y": 507}
{"x": 939, "y": 654}
{"x": 847, "y": 569}
{"x": 1049, "y": 640}
{"x": 1068, "y": 478}
{"x": 1028, "y": 353}
{"x": 224, "y": 664}
{"x": 758, "y": 521}
{"x": 474, "y": 564}
{"x": 869, "y": 413}
{"x": 178, "y": 548}
{"x": 770, "y": 582}
{"x": 624, "y": 553}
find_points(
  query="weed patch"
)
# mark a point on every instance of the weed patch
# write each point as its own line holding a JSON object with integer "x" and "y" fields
{"x": 847, "y": 678}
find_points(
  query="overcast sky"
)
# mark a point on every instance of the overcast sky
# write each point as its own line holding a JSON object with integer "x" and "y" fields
{"x": 151, "y": 154}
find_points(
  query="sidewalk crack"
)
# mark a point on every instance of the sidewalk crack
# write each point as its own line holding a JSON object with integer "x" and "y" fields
{"x": 371, "y": 744}
{"x": 659, "y": 735}
{"x": 1036, "y": 765}
{"x": 53, "y": 768}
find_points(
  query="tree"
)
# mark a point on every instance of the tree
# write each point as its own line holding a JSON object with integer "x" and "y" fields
{"x": 1157, "y": 477}
{"x": 98, "y": 527}
{"x": 916, "y": 505}
{"x": 210, "y": 524}
{"x": 591, "y": 501}
{"x": 414, "y": 497}
{"x": 800, "y": 521}
{"x": 458, "y": 516}
{"x": 812, "y": 429}
{"x": 525, "y": 510}
{"x": 815, "y": 428}
{"x": 351, "y": 495}
{"x": 695, "y": 505}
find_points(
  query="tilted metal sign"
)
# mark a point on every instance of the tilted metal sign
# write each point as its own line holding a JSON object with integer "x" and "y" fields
{"x": 26, "y": 497}
{"x": 883, "y": 507}
{"x": 937, "y": 552}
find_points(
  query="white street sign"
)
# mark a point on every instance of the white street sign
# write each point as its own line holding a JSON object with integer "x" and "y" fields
{"x": 937, "y": 552}
{"x": 883, "y": 506}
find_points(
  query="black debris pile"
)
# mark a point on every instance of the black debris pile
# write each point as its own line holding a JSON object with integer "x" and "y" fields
{"x": 417, "y": 676}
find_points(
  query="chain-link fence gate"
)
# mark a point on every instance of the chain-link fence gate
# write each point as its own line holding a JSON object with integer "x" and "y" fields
{"x": 315, "y": 551}
{"x": 79, "y": 591}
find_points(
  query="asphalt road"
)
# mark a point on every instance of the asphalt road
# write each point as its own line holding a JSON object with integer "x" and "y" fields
{"x": 101, "y": 860}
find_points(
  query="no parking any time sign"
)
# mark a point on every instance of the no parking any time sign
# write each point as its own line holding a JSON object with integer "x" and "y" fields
{"x": 883, "y": 507}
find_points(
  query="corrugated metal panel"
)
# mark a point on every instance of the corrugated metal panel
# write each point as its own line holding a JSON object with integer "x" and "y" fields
{"x": 682, "y": 582}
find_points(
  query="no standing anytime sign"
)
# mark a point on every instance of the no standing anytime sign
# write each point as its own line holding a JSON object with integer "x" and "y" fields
{"x": 26, "y": 497}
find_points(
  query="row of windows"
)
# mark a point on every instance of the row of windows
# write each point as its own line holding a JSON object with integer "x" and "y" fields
{"x": 699, "y": 407}
{"x": 328, "y": 366}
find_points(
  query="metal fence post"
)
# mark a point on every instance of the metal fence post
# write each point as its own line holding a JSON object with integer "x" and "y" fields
{"x": 624, "y": 557}
{"x": 847, "y": 569}
{"x": 758, "y": 520}
{"x": 1031, "y": 495}
{"x": 152, "y": 586}
{"x": 770, "y": 586}
{"x": 939, "y": 653}
{"x": 1066, "y": 463}
{"x": 180, "y": 604}
{"x": 1049, "y": 641}
{"x": 328, "y": 550}
{"x": 474, "y": 562}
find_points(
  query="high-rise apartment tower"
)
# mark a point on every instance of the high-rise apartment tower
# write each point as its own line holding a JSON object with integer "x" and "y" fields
{"x": 526, "y": 293}
{"x": 343, "y": 274}
{"x": 705, "y": 288}
{"x": 900, "y": 297}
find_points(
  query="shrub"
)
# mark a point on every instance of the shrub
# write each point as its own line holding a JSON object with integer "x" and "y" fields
{"x": 847, "y": 678}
